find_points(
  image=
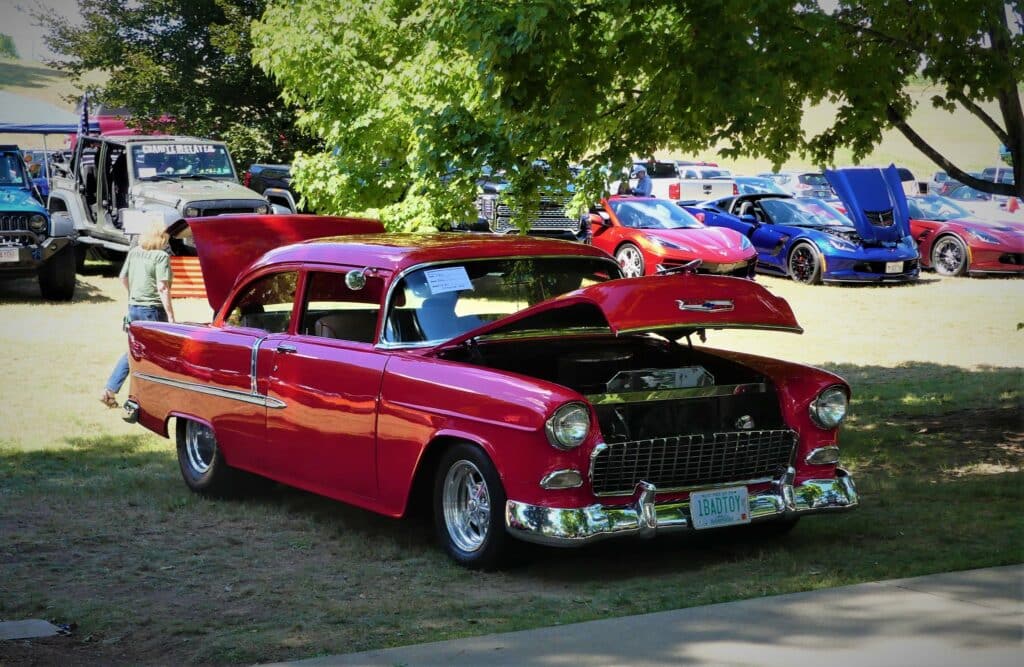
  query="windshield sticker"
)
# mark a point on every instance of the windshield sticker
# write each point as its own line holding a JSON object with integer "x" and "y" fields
{"x": 146, "y": 172}
{"x": 179, "y": 149}
{"x": 451, "y": 279}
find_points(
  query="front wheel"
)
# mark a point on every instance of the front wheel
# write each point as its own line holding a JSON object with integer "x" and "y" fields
{"x": 57, "y": 276}
{"x": 949, "y": 256}
{"x": 804, "y": 266}
{"x": 631, "y": 260}
{"x": 469, "y": 508}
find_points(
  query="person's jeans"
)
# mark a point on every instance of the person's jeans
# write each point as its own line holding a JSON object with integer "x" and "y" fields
{"x": 148, "y": 313}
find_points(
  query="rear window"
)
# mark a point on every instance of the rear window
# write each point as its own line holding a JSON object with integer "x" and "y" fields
{"x": 814, "y": 179}
{"x": 658, "y": 169}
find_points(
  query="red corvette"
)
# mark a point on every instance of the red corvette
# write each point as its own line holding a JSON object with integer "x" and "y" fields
{"x": 648, "y": 236}
{"x": 954, "y": 242}
{"x": 517, "y": 386}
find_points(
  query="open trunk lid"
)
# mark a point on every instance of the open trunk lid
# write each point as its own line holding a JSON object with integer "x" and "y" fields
{"x": 672, "y": 305}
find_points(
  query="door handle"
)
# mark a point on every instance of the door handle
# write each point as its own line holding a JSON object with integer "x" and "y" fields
{"x": 285, "y": 348}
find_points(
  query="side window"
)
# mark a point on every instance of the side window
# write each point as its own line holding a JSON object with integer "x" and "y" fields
{"x": 333, "y": 310}
{"x": 266, "y": 303}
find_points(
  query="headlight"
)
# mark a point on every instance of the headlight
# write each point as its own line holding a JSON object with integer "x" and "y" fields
{"x": 840, "y": 244}
{"x": 262, "y": 209}
{"x": 191, "y": 212}
{"x": 568, "y": 427}
{"x": 667, "y": 244}
{"x": 829, "y": 408}
{"x": 37, "y": 223}
{"x": 982, "y": 236}
{"x": 744, "y": 243}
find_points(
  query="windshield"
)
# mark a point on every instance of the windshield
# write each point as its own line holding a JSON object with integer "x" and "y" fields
{"x": 934, "y": 207}
{"x": 435, "y": 304}
{"x": 153, "y": 161}
{"x": 814, "y": 179}
{"x": 753, "y": 186}
{"x": 657, "y": 169}
{"x": 653, "y": 214}
{"x": 12, "y": 171}
{"x": 806, "y": 211}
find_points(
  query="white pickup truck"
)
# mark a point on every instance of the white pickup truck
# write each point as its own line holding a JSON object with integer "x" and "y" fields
{"x": 683, "y": 183}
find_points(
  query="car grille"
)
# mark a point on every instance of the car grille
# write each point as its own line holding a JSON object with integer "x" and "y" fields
{"x": 879, "y": 267}
{"x": 551, "y": 216}
{"x": 221, "y": 207}
{"x": 1012, "y": 258}
{"x": 12, "y": 222}
{"x": 685, "y": 461}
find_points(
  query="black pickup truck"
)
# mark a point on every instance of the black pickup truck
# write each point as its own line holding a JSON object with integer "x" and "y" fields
{"x": 273, "y": 181}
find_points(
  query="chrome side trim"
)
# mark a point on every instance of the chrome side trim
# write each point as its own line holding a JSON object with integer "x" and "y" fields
{"x": 252, "y": 365}
{"x": 674, "y": 394}
{"x": 570, "y": 527}
{"x": 233, "y": 394}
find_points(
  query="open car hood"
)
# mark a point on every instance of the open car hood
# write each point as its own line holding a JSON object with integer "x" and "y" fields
{"x": 672, "y": 305}
{"x": 228, "y": 244}
{"x": 874, "y": 201}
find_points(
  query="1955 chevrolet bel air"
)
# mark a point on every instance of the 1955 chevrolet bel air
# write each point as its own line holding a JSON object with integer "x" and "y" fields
{"x": 518, "y": 385}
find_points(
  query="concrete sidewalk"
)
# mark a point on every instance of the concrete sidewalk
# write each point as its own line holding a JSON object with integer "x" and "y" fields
{"x": 973, "y": 618}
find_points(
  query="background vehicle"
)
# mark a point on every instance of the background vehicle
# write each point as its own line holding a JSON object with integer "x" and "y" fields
{"x": 669, "y": 182}
{"x": 802, "y": 183}
{"x": 809, "y": 241}
{"x": 274, "y": 182}
{"x": 954, "y": 242}
{"x": 31, "y": 242}
{"x": 494, "y": 213}
{"x": 753, "y": 185}
{"x": 115, "y": 180}
{"x": 509, "y": 383}
{"x": 648, "y": 236}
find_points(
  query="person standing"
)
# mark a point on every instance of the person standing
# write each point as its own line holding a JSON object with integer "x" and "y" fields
{"x": 146, "y": 275}
{"x": 644, "y": 185}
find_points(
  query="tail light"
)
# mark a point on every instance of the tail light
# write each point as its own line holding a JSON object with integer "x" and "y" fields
{"x": 247, "y": 178}
{"x": 673, "y": 191}
{"x": 735, "y": 188}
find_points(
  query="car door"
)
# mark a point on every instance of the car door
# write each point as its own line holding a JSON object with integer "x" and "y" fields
{"x": 770, "y": 239}
{"x": 327, "y": 374}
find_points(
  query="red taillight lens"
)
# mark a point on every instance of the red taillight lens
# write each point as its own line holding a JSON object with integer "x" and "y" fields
{"x": 673, "y": 191}
{"x": 247, "y": 178}
{"x": 735, "y": 189}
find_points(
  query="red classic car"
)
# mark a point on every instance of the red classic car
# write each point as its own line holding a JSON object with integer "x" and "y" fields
{"x": 648, "y": 235}
{"x": 517, "y": 385}
{"x": 954, "y": 242}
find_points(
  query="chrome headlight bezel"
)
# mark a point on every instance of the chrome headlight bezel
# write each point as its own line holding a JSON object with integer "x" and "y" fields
{"x": 38, "y": 223}
{"x": 829, "y": 407}
{"x": 191, "y": 212}
{"x": 568, "y": 426}
{"x": 263, "y": 210}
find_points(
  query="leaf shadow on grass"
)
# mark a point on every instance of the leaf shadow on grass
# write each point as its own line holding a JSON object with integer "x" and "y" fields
{"x": 27, "y": 76}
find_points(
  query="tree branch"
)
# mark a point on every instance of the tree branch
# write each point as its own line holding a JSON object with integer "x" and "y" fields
{"x": 896, "y": 118}
{"x": 971, "y": 106}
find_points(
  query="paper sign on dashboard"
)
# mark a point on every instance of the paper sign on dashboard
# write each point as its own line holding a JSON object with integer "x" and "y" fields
{"x": 450, "y": 279}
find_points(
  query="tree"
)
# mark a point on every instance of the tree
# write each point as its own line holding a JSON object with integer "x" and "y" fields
{"x": 181, "y": 66}
{"x": 425, "y": 92}
{"x": 7, "y": 47}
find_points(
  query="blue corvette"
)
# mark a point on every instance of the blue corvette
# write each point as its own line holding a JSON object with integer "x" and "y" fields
{"x": 811, "y": 242}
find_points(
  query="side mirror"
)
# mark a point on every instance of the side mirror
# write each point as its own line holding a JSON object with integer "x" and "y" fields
{"x": 749, "y": 218}
{"x": 600, "y": 219}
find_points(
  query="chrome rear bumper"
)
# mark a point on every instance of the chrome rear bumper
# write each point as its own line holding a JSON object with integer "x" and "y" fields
{"x": 644, "y": 518}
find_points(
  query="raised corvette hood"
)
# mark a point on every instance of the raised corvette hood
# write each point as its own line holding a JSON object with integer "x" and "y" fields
{"x": 228, "y": 244}
{"x": 672, "y": 305}
{"x": 874, "y": 201}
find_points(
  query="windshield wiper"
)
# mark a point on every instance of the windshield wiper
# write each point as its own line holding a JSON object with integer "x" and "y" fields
{"x": 156, "y": 178}
{"x": 198, "y": 176}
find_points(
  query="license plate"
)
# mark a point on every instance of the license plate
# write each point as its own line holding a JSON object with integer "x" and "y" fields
{"x": 9, "y": 254}
{"x": 894, "y": 267}
{"x": 721, "y": 507}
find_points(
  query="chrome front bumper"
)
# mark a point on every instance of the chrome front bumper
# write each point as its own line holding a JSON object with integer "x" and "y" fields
{"x": 643, "y": 518}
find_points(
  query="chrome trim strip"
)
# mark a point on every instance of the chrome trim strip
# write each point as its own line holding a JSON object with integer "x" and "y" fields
{"x": 683, "y": 393}
{"x": 233, "y": 394}
{"x": 642, "y": 517}
{"x": 711, "y": 325}
{"x": 252, "y": 365}
{"x": 391, "y": 345}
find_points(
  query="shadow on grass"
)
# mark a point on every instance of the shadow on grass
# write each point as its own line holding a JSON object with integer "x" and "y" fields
{"x": 26, "y": 291}
{"x": 26, "y": 76}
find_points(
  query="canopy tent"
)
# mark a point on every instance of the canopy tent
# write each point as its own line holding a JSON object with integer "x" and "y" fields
{"x": 24, "y": 115}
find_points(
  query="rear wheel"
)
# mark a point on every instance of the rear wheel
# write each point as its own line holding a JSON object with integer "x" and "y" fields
{"x": 57, "y": 276}
{"x": 804, "y": 266}
{"x": 631, "y": 260}
{"x": 949, "y": 256}
{"x": 469, "y": 508}
{"x": 202, "y": 465}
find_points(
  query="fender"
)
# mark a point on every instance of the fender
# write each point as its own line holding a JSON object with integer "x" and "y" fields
{"x": 280, "y": 194}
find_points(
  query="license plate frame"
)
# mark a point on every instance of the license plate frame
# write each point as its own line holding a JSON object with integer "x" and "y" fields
{"x": 717, "y": 508}
{"x": 9, "y": 255}
{"x": 894, "y": 267}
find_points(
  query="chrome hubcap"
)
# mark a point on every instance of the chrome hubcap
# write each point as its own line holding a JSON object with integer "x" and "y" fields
{"x": 200, "y": 446}
{"x": 948, "y": 256}
{"x": 632, "y": 262}
{"x": 467, "y": 506}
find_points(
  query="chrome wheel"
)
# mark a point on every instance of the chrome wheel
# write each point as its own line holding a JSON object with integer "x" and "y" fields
{"x": 803, "y": 264}
{"x": 631, "y": 260}
{"x": 200, "y": 447}
{"x": 466, "y": 503}
{"x": 949, "y": 256}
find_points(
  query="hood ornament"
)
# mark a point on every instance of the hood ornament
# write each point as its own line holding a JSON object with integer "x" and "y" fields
{"x": 716, "y": 306}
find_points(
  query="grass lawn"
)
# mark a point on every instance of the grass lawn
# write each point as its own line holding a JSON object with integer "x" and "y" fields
{"x": 99, "y": 530}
